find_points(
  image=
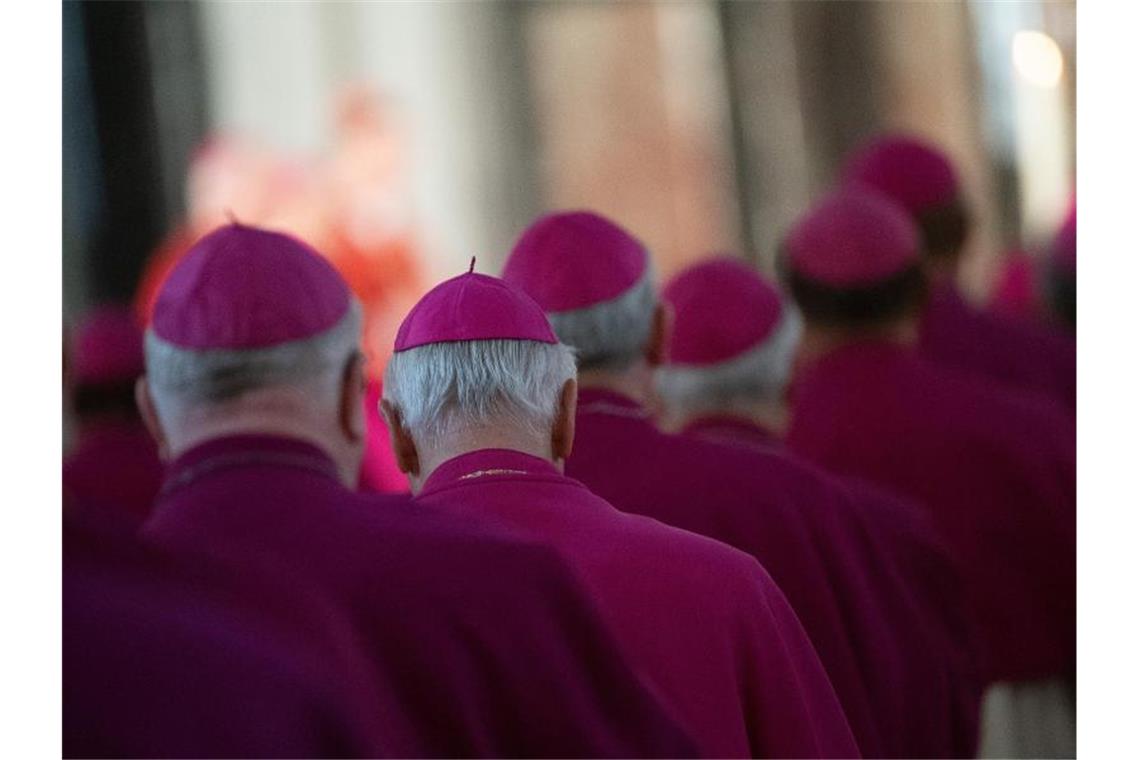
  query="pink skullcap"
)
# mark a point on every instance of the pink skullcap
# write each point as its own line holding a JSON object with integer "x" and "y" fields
{"x": 241, "y": 287}
{"x": 914, "y": 173}
{"x": 721, "y": 308}
{"x": 852, "y": 238}
{"x": 473, "y": 307}
{"x": 575, "y": 259}
{"x": 108, "y": 347}
{"x": 1064, "y": 249}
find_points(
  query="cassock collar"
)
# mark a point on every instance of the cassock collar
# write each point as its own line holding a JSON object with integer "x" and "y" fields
{"x": 245, "y": 450}
{"x": 608, "y": 402}
{"x": 488, "y": 465}
{"x": 732, "y": 429}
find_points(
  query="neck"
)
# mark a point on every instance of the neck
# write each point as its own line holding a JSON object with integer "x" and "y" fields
{"x": 502, "y": 436}
{"x": 634, "y": 382}
{"x": 198, "y": 428}
{"x": 770, "y": 415}
{"x": 819, "y": 340}
{"x": 940, "y": 271}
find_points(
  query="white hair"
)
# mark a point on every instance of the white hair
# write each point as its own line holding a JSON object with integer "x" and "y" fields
{"x": 444, "y": 388}
{"x": 180, "y": 377}
{"x": 759, "y": 374}
{"x": 612, "y": 334}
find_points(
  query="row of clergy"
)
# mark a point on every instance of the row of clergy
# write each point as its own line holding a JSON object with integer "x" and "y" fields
{"x": 722, "y": 519}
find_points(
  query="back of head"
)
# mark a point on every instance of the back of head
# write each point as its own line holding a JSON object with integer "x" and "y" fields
{"x": 733, "y": 339}
{"x": 105, "y": 359}
{"x": 476, "y": 365}
{"x": 923, "y": 181}
{"x": 851, "y": 262}
{"x": 594, "y": 281}
{"x": 251, "y": 322}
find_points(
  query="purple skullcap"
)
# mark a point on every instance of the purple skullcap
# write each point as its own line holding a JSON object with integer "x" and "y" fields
{"x": 575, "y": 259}
{"x": 852, "y": 238}
{"x": 473, "y": 307}
{"x": 107, "y": 347}
{"x": 915, "y": 174}
{"x": 241, "y": 287}
{"x": 721, "y": 308}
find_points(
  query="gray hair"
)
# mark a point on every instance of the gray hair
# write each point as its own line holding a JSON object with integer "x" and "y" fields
{"x": 759, "y": 374}
{"x": 612, "y": 334}
{"x": 183, "y": 376}
{"x": 444, "y": 388}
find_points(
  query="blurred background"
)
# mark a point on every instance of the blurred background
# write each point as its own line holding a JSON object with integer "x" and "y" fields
{"x": 403, "y": 138}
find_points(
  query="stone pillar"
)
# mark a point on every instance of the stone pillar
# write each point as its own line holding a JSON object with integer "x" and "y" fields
{"x": 774, "y": 167}
{"x": 631, "y": 113}
{"x": 932, "y": 87}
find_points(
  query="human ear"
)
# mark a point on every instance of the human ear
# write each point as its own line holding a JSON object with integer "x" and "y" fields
{"x": 656, "y": 352}
{"x": 407, "y": 456}
{"x": 562, "y": 434}
{"x": 149, "y": 413}
{"x": 351, "y": 408}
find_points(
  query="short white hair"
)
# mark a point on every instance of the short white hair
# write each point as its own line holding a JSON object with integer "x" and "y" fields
{"x": 759, "y": 374}
{"x": 441, "y": 389}
{"x": 182, "y": 377}
{"x": 612, "y": 334}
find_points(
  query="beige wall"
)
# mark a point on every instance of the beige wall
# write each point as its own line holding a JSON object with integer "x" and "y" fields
{"x": 274, "y": 68}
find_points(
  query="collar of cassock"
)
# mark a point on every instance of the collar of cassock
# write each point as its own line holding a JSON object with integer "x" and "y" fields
{"x": 730, "y": 428}
{"x": 234, "y": 451}
{"x": 488, "y": 465}
{"x": 607, "y": 402}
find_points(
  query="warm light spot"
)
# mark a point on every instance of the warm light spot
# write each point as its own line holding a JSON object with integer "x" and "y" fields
{"x": 1037, "y": 58}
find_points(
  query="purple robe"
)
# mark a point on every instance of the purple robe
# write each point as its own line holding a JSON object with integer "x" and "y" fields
{"x": 114, "y": 466}
{"x": 702, "y": 621}
{"x": 764, "y": 504}
{"x": 995, "y": 469}
{"x": 1022, "y": 355}
{"x": 934, "y": 702}
{"x": 487, "y": 644}
{"x": 163, "y": 657}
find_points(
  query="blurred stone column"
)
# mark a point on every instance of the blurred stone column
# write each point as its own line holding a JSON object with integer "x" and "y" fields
{"x": 266, "y": 72}
{"x": 774, "y": 167}
{"x": 841, "y": 85}
{"x": 456, "y": 70}
{"x": 932, "y": 87}
{"x": 632, "y": 114}
{"x": 813, "y": 80}
{"x": 806, "y": 87}
{"x": 451, "y": 73}
{"x": 178, "y": 84}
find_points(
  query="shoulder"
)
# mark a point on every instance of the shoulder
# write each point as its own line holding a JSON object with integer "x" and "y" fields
{"x": 460, "y": 545}
{"x": 718, "y": 568}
